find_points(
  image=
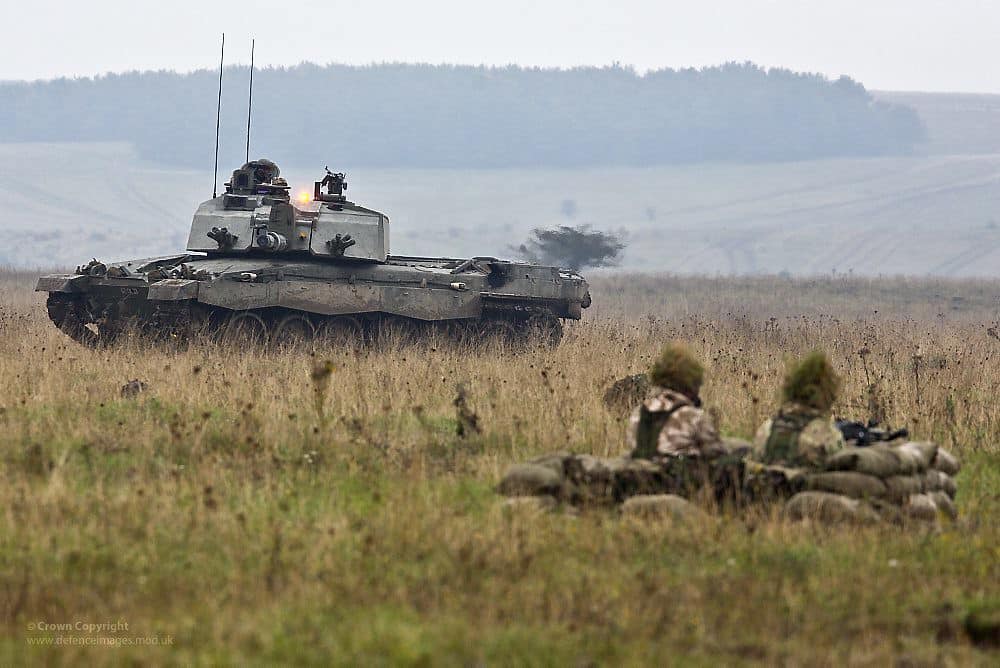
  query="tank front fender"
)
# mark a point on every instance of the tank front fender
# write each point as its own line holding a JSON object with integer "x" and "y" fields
{"x": 62, "y": 283}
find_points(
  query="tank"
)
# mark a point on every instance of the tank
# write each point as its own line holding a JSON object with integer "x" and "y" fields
{"x": 262, "y": 268}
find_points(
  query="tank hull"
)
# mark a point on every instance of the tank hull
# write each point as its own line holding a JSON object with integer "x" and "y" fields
{"x": 268, "y": 296}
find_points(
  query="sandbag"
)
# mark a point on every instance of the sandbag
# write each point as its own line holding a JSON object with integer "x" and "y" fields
{"x": 830, "y": 508}
{"x": 530, "y": 480}
{"x": 593, "y": 479}
{"x": 555, "y": 461}
{"x": 889, "y": 512}
{"x": 920, "y": 453}
{"x": 847, "y": 483}
{"x": 584, "y": 468}
{"x": 880, "y": 461}
{"x": 770, "y": 482}
{"x": 939, "y": 481}
{"x": 944, "y": 504}
{"x": 900, "y": 487}
{"x": 921, "y": 507}
{"x": 662, "y": 506}
{"x": 946, "y": 462}
{"x": 641, "y": 476}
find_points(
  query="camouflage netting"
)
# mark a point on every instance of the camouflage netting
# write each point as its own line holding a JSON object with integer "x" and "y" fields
{"x": 678, "y": 369}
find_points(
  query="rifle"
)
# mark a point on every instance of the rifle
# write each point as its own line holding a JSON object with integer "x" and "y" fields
{"x": 865, "y": 434}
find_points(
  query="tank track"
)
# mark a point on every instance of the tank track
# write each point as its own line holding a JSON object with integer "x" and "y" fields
{"x": 69, "y": 312}
{"x": 95, "y": 324}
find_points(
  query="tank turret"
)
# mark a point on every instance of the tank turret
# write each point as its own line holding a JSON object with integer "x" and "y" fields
{"x": 256, "y": 215}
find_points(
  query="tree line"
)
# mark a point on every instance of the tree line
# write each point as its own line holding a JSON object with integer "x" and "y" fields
{"x": 399, "y": 115}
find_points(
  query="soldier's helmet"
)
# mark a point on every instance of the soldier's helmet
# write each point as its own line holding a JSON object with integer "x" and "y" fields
{"x": 811, "y": 382}
{"x": 280, "y": 182}
{"x": 678, "y": 369}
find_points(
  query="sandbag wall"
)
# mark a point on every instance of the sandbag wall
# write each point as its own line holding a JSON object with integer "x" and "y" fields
{"x": 585, "y": 480}
{"x": 895, "y": 482}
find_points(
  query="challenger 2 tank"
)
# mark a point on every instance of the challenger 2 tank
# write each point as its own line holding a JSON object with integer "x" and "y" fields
{"x": 262, "y": 268}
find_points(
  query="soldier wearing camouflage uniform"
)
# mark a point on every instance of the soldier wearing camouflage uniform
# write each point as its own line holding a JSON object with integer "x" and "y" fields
{"x": 672, "y": 423}
{"x": 675, "y": 449}
{"x": 802, "y": 433}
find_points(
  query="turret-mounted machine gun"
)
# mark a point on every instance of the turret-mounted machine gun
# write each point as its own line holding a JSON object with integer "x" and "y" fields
{"x": 335, "y": 184}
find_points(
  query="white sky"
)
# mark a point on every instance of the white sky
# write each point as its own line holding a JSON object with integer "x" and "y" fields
{"x": 939, "y": 45}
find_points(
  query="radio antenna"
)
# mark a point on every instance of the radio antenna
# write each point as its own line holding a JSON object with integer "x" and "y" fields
{"x": 250, "y": 99}
{"x": 218, "y": 114}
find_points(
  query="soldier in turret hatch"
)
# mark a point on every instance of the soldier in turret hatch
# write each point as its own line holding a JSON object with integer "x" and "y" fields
{"x": 264, "y": 171}
{"x": 672, "y": 422}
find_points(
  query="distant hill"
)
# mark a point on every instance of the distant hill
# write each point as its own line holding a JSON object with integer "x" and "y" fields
{"x": 469, "y": 117}
{"x": 957, "y": 123}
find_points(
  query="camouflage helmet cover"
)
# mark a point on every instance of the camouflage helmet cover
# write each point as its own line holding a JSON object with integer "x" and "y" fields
{"x": 678, "y": 369}
{"x": 811, "y": 382}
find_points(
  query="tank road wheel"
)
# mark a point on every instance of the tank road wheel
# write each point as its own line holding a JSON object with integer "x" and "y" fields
{"x": 544, "y": 328}
{"x": 246, "y": 328}
{"x": 68, "y": 313}
{"x": 293, "y": 331}
{"x": 112, "y": 330}
{"x": 340, "y": 332}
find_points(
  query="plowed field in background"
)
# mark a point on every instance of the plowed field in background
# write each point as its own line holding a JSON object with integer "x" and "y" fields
{"x": 932, "y": 214}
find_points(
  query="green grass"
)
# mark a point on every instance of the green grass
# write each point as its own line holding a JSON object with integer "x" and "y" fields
{"x": 379, "y": 566}
{"x": 218, "y": 509}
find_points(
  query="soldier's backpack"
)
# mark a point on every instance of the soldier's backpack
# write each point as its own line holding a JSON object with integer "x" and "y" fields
{"x": 647, "y": 433}
{"x": 782, "y": 445}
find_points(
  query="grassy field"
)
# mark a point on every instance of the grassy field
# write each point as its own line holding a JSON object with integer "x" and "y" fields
{"x": 239, "y": 513}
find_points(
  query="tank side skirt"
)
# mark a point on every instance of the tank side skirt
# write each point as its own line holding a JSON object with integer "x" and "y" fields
{"x": 343, "y": 298}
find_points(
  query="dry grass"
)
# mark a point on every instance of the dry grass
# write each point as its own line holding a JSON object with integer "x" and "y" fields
{"x": 221, "y": 509}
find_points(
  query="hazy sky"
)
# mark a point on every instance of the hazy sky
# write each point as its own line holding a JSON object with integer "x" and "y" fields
{"x": 943, "y": 45}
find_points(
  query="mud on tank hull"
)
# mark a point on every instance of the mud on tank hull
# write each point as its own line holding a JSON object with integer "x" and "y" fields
{"x": 288, "y": 299}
